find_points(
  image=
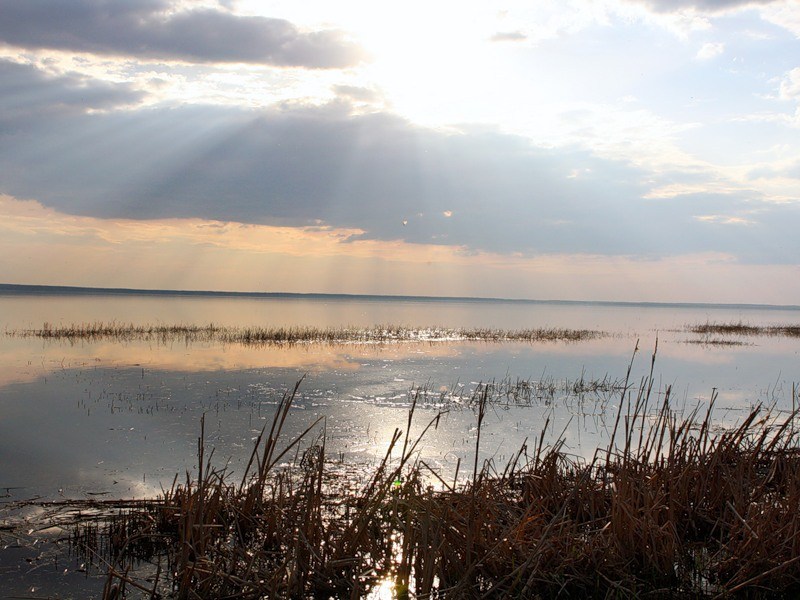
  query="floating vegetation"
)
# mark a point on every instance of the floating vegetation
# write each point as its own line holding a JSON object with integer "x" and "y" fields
{"x": 743, "y": 329}
{"x": 380, "y": 334}
{"x": 671, "y": 504}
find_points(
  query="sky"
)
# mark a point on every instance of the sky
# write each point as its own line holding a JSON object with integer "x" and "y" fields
{"x": 628, "y": 150}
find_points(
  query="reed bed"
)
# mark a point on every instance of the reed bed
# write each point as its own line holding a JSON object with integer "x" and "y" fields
{"x": 672, "y": 507}
{"x": 296, "y": 335}
{"x": 743, "y": 329}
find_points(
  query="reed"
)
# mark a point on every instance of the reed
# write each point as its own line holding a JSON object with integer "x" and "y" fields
{"x": 673, "y": 507}
{"x": 744, "y": 329}
{"x": 381, "y": 334}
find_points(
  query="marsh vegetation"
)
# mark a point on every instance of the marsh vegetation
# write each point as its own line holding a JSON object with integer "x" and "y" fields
{"x": 733, "y": 334}
{"x": 713, "y": 334}
{"x": 297, "y": 335}
{"x": 744, "y": 329}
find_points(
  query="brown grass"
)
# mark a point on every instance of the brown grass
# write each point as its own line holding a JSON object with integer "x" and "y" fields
{"x": 668, "y": 509}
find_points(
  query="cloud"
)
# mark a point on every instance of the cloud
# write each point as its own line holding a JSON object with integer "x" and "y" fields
{"x": 710, "y": 50}
{"x": 27, "y": 92}
{"x": 683, "y": 17}
{"x": 301, "y": 166}
{"x": 784, "y": 14}
{"x": 791, "y": 170}
{"x": 509, "y": 36}
{"x": 41, "y": 245}
{"x": 710, "y": 6}
{"x": 358, "y": 93}
{"x": 724, "y": 219}
{"x": 154, "y": 29}
{"x": 790, "y": 86}
{"x": 29, "y": 218}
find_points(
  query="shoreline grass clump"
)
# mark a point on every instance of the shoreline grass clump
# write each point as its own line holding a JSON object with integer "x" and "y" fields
{"x": 672, "y": 507}
{"x": 259, "y": 336}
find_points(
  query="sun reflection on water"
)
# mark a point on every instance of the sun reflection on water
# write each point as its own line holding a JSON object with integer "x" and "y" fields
{"x": 385, "y": 590}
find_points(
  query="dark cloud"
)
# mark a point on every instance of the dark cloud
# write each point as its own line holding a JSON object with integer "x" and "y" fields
{"x": 299, "y": 166}
{"x": 699, "y": 5}
{"x": 303, "y": 165}
{"x": 149, "y": 29}
{"x": 27, "y": 92}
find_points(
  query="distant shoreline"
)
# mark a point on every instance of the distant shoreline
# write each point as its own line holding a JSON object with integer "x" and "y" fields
{"x": 12, "y": 289}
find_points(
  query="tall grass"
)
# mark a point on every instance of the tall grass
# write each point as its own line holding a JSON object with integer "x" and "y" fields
{"x": 671, "y": 508}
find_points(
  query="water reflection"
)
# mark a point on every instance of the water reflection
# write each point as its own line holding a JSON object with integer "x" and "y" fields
{"x": 25, "y": 359}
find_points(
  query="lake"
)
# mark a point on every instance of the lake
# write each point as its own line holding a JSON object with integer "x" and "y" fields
{"x": 122, "y": 417}
{"x": 119, "y": 418}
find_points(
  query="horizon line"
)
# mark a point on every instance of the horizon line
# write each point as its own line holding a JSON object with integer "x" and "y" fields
{"x": 39, "y": 289}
